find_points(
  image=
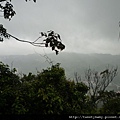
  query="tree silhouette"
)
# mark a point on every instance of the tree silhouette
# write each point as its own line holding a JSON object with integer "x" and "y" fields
{"x": 50, "y": 38}
{"x": 98, "y": 82}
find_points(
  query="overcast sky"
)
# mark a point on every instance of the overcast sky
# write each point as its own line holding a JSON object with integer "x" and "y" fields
{"x": 85, "y": 26}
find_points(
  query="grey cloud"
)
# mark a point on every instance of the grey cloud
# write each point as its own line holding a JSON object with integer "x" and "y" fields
{"x": 85, "y": 25}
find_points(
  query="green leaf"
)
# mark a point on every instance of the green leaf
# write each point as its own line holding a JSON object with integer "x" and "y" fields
{"x": 56, "y": 51}
{"x": 53, "y": 48}
{"x": 34, "y": 0}
{"x": 46, "y": 44}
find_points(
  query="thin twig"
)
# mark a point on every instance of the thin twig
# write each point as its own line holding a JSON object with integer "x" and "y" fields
{"x": 32, "y": 43}
{"x": 37, "y": 39}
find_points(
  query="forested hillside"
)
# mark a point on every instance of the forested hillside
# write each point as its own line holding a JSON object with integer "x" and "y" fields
{"x": 50, "y": 92}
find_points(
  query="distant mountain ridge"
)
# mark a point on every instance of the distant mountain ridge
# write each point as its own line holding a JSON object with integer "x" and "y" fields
{"x": 71, "y": 62}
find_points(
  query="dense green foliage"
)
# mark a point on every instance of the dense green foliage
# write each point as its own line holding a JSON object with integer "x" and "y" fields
{"x": 48, "y": 92}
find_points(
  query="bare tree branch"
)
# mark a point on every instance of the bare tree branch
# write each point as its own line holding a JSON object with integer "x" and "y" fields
{"x": 32, "y": 43}
{"x": 77, "y": 78}
{"x": 99, "y": 82}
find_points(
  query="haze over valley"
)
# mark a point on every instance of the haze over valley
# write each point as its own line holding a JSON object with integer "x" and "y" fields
{"x": 71, "y": 62}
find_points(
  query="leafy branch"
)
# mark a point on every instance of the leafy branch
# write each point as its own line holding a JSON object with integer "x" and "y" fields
{"x": 51, "y": 39}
